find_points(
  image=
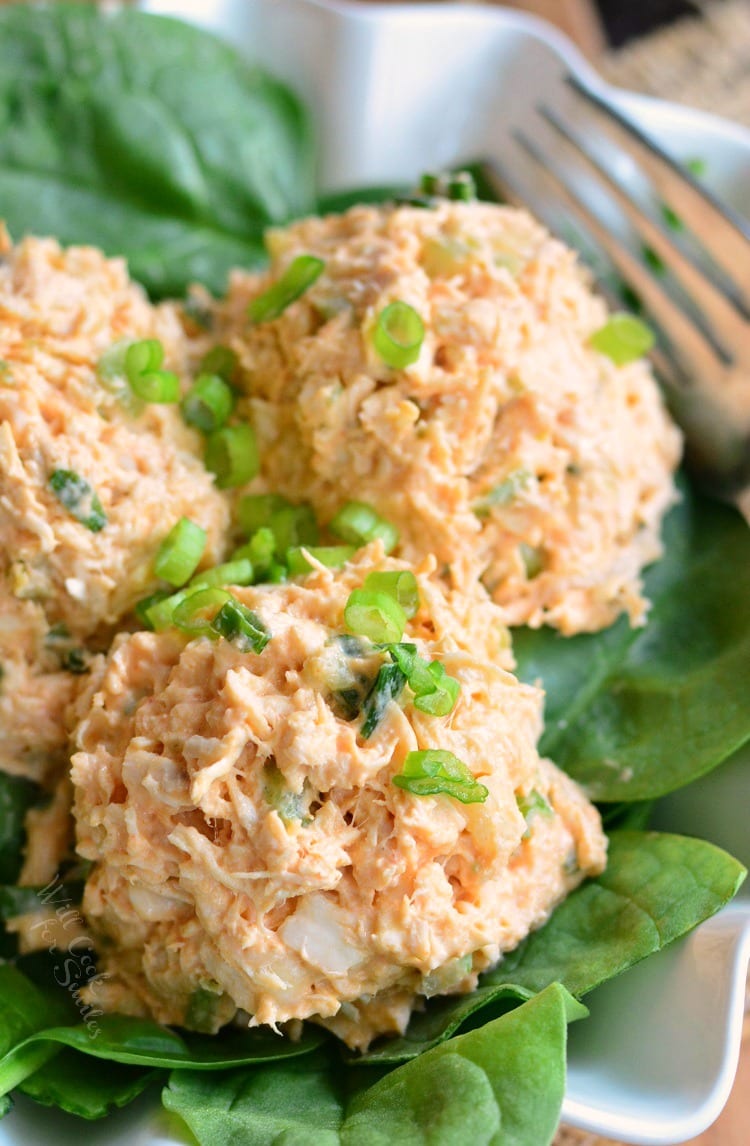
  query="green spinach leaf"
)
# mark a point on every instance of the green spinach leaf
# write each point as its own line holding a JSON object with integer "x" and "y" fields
{"x": 148, "y": 138}
{"x": 501, "y": 1085}
{"x": 16, "y": 797}
{"x": 635, "y": 713}
{"x": 69, "y": 1083}
{"x": 656, "y": 888}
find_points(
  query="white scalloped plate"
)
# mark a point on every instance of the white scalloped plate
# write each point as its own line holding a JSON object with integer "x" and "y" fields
{"x": 396, "y": 90}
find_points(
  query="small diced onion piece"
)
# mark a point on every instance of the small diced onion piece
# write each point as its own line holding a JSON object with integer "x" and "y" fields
{"x": 180, "y": 552}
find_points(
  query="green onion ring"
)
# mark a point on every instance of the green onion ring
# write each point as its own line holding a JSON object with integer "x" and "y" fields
{"x": 398, "y": 335}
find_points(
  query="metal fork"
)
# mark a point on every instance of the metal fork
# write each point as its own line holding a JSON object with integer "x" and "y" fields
{"x": 686, "y": 262}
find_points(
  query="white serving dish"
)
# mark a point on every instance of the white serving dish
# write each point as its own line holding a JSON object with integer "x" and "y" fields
{"x": 396, "y": 90}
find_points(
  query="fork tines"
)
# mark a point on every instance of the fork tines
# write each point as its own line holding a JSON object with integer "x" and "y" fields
{"x": 683, "y": 256}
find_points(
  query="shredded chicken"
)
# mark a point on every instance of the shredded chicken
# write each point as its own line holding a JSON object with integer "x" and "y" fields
{"x": 63, "y": 584}
{"x": 251, "y": 851}
{"x": 510, "y": 449}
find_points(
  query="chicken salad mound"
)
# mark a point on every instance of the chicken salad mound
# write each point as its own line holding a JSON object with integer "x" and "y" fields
{"x": 446, "y": 364}
{"x": 329, "y": 808}
{"x": 91, "y": 479}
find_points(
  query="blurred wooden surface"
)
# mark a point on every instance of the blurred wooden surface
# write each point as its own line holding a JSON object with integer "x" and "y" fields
{"x": 579, "y": 19}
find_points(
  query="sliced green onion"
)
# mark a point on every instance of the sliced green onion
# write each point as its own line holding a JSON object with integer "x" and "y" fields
{"x": 196, "y": 613}
{"x": 405, "y": 656}
{"x": 440, "y": 700}
{"x": 76, "y": 661}
{"x": 111, "y": 365}
{"x": 278, "y": 573}
{"x": 503, "y": 493}
{"x": 180, "y": 552}
{"x": 398, "y": 335}
{"x": 241, "y": 627}
{"x": 292, "y": 526}
{"x": 76, "y": 495}
{"x": 277, "y": 793}
{"x": 533, "y": 804}
{"x": 239, "y": 571}
{"x": 430, "y": 183}
{"x": 143, "y": 357}
{"x": 462, "y": 187}
{"x": 358, "y": 523}
{"x": 374, "y": 615}
{"x": 232, "y": 455}
{"x": 256, "y": 510}
{"x": 696, "y": 166}
{"x": 142, "y": 361}
{"x": 203, "y": 1009}
{"x": 301, "y": 273}
{"x": 144, "y": 606}
{"x": 219, "y": 360}
{"x": 208, "y": 403}
{"x": 434, "y": 691}
{"x": 199, "y": 310}
{"x": 388, "y": 686}
{"x": 332, "y": 556}
{"x": 533, "y": 560}
{"x": 260, "y": 550}
{"x": 458, "y": 186}
{"x": 159, "y": 615}
{"x": 160, "y": 386}
{"x": 401, "y": 584}
{"x": 436, "y": 772}
{"x": 623, "y": 339}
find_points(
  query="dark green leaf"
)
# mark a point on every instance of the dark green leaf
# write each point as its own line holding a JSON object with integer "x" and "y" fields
{"x": 294, "y": 1103}
{"x": 69, "y": 1083}
{"x": 20, "y": 900}
{"x": 39, "y": 1017}
{"x": 16, "y": 797}
{"x": 656, "y": 888}
{"x": 148, "y": 138}
{"x": 502, "y": 1084}
{"x": 635, "y": 713}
